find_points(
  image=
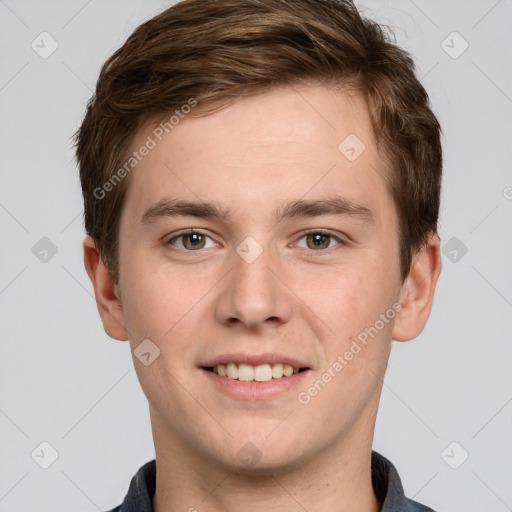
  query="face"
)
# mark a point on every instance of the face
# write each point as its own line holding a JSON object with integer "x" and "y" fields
{"x": 293, "y": 258}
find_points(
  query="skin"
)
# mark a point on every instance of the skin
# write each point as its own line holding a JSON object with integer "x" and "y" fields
{"x": 194, "y": 304}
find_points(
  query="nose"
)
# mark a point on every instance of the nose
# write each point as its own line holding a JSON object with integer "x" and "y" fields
{"x": 253, "y": 293}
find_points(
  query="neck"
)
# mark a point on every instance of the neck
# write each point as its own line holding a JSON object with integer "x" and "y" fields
{"x": 336, "y": 480}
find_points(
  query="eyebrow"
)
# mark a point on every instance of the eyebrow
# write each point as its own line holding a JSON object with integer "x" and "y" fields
{"x": 333, "y": 205}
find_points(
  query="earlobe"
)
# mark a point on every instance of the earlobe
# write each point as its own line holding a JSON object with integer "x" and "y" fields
{"x": 417, "y": 294}
{"x": 105, "y": 291}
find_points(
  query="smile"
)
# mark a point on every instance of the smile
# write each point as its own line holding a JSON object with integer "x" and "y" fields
{"x": 261, "y": 373}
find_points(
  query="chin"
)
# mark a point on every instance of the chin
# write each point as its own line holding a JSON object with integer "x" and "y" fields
{"x": 264, "y": 467}
{"x": 262, "y": 457}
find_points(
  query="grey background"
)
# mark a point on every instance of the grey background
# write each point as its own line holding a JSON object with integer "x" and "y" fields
{"x": 65, "y": 382}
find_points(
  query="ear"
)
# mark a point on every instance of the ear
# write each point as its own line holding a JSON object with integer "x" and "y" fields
{"x": 109, "y": 305}
{"x": 417, "y": 293}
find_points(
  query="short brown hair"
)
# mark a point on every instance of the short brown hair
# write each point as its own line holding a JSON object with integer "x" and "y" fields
{"x": 217, "y": 51}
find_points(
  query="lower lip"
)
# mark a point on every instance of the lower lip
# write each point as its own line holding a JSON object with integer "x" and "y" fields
{"x": 254, "y": 390}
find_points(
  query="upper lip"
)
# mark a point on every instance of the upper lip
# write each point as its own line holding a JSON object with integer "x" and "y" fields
{"x": 254, "y": 360}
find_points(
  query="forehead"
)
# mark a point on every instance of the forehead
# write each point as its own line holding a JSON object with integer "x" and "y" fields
{"x": 261, "y": 152}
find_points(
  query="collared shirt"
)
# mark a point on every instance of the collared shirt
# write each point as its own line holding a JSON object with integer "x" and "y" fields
{"x": 385, "y": 479}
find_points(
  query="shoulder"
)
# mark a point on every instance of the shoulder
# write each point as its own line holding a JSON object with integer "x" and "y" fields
{"x": 141, "y": 490}
{"x": 414, "y": 506}
{"x": 388, "y": 488}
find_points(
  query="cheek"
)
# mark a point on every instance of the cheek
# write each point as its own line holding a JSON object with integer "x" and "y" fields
{"x": 352, "y": 303}
{"x": 346, "y": 299}
{"x": 358, "y": 352}
{"x": 169, "y": 306}
{"x": 162, "y": 310}
{"x": 153, "y": 304}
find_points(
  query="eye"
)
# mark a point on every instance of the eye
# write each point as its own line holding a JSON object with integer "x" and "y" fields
{"x": 319, "y": 240}
{"x": 192, "y": 240}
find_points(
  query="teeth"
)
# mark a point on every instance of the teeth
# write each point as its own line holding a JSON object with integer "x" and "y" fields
{"x": 261, "y": 373}
{"x": 245, "y": 372}
{"x": 277, "y": 371}
{"x": 232, "y": 371}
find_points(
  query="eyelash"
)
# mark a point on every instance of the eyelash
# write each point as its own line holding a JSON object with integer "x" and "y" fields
{"x": 303, "y": 235}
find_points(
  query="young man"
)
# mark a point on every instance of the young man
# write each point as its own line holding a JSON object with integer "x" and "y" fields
{"x": 261, "y": 182}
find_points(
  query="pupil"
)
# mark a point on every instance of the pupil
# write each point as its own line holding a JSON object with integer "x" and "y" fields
{"x": 194, "y": 239}
{"x": 319, "y": 239}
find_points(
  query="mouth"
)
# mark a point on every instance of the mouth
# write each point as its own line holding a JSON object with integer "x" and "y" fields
{"x": 261, "y": 373}
{"x": 256, "y": 383}
{"x": 253, "y": 377}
